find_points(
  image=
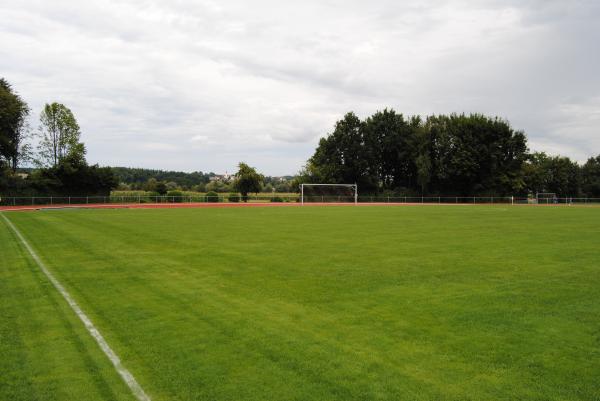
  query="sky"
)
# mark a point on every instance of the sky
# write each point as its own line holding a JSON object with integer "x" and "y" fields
{"x": 201, "y": 85}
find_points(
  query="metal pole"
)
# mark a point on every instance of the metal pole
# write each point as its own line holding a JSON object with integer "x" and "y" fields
{"x": 302, "y": 191}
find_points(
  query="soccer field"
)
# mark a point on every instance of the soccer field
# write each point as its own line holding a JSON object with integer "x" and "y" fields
{"x": 305, "y": 303}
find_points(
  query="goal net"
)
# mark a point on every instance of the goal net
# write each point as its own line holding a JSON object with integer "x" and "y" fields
{"x": 328, "y": 193}
{"x": 546, "y": 198}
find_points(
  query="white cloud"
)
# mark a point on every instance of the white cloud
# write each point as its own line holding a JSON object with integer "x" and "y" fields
{"x": 212, "y": 83}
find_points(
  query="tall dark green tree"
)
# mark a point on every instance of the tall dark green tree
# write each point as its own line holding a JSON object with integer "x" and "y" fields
{"x": 13, "y": 127}
{"x": 555, "y": 174}
{"x": 247, "y": 180}
{"x": 390, "y": 149}
{"x": 456, "y": 154}
{"x": 341, "y": 158}
{"x": 475, "y": 154}
{"x": 74, "y": 177}
{"x": 590, "y": 177}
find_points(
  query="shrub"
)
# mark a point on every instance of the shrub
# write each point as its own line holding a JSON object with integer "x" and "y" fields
{"x": 175, "y": 196}
{"x": 212, "y": 196}
{"x": 276, "y": 199}
{"x": 233, "y": 197}
{"x": 161, "y": 188}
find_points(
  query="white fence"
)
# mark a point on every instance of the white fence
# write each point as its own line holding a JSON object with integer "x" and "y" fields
{"x": 223, "y": 198}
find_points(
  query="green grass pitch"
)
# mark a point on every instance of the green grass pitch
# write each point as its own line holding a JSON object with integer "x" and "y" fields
{"x": 313, "y": 303}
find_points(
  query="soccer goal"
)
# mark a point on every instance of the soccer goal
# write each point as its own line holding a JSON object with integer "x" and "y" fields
{"x": 329, "y": 193}
{"x": 546, "y": 198}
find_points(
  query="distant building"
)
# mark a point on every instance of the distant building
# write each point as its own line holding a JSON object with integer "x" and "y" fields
{"x": 222, "y": 177}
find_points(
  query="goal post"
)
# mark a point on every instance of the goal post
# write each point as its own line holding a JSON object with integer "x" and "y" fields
{"x": 350, "y": 189}
{"x": 546, "y": 198}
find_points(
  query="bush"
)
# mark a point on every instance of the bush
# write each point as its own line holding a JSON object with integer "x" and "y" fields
{"x": 212, "y": 196}
{"x": 175, "y": 196}
{"x": 161, "y": 188}
{"x": 233, "y": 197}
{"x": 276, "y": 199}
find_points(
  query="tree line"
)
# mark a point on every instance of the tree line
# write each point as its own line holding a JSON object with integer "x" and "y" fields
{"x": 197, "y": 181}
{"x": 386, "y": 153}
{"x": 456, "y": 154}
{"x": 61, "y": 167}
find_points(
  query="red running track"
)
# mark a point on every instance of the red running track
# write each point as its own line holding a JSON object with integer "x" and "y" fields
{"x": 233, "y": 205}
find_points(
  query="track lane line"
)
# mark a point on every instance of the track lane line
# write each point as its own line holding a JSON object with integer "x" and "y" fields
{"x": 127, "y": 377}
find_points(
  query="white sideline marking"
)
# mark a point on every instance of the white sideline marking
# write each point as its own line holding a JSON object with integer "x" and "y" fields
{"x": 134, "y": 386}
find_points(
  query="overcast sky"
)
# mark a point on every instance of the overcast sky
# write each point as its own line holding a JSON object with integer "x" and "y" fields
{"x": 201, "y": 85}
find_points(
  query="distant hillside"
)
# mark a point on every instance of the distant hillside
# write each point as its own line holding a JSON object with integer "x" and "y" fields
{"x": 138, "y": 176}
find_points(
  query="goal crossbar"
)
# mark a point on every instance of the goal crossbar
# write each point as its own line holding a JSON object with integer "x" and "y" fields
{"x": 353, "y": 186}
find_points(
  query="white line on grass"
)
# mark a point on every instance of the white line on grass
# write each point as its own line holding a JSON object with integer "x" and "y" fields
{"x": 136, "y": 389}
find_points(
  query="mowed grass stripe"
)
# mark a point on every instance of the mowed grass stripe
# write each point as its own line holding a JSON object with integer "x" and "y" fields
{"x": 92, "y": 330}
{"x": 45, "y": 352}
{"x": 333, "y": 303}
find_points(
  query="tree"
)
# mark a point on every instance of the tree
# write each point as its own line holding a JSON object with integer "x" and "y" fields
{"x": 590, "y": 177}
{"x": 390, "y": 147}
{"x": 72, "y": 176}
{"x": 13, "y": 127}
{"x": 455, "y": 154}
{"x": 247, "y": 180}
{"x": 60, "y": 134}
{"x": 161, "y": 188}
{"x": 474, "y": 154}
{"x": 554, "y": 174}
{"x": 340, "y": 157}
{"x": 150, "y": 185}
